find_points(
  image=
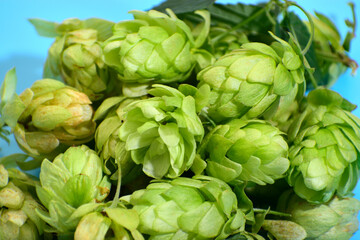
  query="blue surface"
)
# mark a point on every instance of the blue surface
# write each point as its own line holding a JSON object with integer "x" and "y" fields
{"x": 21, "y": 47}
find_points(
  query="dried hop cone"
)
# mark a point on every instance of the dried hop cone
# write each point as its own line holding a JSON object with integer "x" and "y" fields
{"x": 161, "y": 132}
{"x": 250, "y": 81}
{"x": 154, "y": 47}
{"x": 184, "y": 208}
{"x": 324, "y": 156}
{"x": 55, "y": 117}
{"x": 251, "y": 150}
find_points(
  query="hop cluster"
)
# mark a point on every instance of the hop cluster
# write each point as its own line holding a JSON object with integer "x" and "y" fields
{"x": 185, "y": 126}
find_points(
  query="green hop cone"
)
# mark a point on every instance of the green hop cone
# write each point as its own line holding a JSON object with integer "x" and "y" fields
{"x": 240, "y": 150}
{"x": 335, "y": 220}
{"x": 18, "y": 219}
{"x": 161, "y": 132}
{"x": 55, "y": 117}
{"x": 154, "y": 47}
{"x": 76, "y": 56}
{"x": 73, "y": 179}
{"x": 108, "y": 144}
{"x": 183, "y": 208}
{"x": 324, "y": 154}
{"x": 251, "y": 80}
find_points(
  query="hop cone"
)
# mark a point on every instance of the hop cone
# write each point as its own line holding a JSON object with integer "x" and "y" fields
{"x": 108, "y": 144}
{"x": 337, "y": 219}
{"x": 18, "y": 219}
{"x": 161, "y": 132}
{"x": 55, "y": 117}
{"x": 324, "y": 156}
{"x": 249, "y": 81}
{"x": 73, "y": 179}
{"x": 154, "y": 47}
{"x": 198, "y": 208}
{"x": 76, "y": 57}
{"x": 250, "y": 150}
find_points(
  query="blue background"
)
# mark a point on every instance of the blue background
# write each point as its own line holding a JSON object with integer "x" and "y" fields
{"x": 21, "y": 47}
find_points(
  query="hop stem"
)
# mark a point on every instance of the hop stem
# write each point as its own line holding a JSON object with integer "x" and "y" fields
{"x": 117, "y": 193}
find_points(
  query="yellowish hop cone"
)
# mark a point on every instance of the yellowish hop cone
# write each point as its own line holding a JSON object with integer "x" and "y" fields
{"x": 56, "y": 116}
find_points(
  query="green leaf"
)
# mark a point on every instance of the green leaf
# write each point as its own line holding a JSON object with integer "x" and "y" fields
{"x": 12, "y": 111}
{"x": 8, "y": 87}
{"x": 183, "y": 6}
{"x": 11, "y": 160}
{"x": 29, "y": 165}
{"x": 45, "y": 28}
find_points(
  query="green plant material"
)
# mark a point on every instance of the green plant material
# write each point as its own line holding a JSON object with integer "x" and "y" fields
{"x": 154, "y": 47}
{"x": 100, "y": 219}
{"x": 223, "y": 40}
{"x": 241, "y": 150}
{"x": 332, "y": 57}
{"x": 112, "y": 222}
{"x": 108, "y": 144}
{"x": 183, "y": 208}
{"x": 76, "y": 55}
{"x": 11, "y": 106}
{"x": 250, "y": 81}
{"x": 73, "y": 179}
{"x": 336, "y": 219}
{"x": 287, "y": 110}
{"x": 56, "y": 116}
{"x": 161, "y": 132}
{"x": 183, "y": 6}
{"x": 253, "y": 20}
{"x": 324, "y": 156}
{"x": 18, "y": 219}
{"x": 284, "y": 230}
